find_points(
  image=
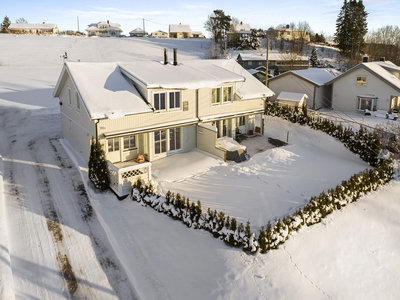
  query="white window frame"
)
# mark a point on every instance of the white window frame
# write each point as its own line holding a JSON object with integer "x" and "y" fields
{"x": 130, "y": 148}
{"x": 361, "y": 76}
{"x": 221, "y": 95}
{"x": 69, "y": 97}
{"x": 167, "y": 143}
{"x": 167, "y": 101}
{"x": 78, "y": 102}
{"x": 371, "y": 108}
{"x": 113, "y": 142}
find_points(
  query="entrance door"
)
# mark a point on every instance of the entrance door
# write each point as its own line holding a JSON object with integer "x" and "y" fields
{"x": 394, "y": 105}
{"x": 160, "y": 142}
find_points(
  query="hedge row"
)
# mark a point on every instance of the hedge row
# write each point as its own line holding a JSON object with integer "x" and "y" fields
{"x": 190, "y": 213}
{"x": 319, "y": 207}
{"x": 361, "y": 142}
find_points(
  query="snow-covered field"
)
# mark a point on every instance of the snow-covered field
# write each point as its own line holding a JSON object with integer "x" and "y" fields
{"x": 62, "y": 242}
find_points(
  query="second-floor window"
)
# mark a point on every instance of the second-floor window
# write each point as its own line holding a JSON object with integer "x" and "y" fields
{"x": 69, "y": 98}
{"x": 221, "y": 95}
{"x": 165, "y": 101}
{"x": 361, "y": 80}
{"x": 78, "y": 102}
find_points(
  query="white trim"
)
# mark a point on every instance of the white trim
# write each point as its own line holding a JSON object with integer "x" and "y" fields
{"x": 222, "y": 102}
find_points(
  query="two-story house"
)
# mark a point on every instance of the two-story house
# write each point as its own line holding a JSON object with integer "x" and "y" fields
{"x": 104, "y": 29}
{"x": 156, "y": 109}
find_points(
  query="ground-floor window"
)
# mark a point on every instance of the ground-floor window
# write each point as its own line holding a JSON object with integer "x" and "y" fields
{"x": 129, "y": 142}
{"x": 167, "y": 140}
{"x": 367, "y": 103}
{"x": 113, "y": 145}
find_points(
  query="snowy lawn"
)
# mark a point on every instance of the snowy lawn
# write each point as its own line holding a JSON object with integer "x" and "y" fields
{"x": 271, "y": 184}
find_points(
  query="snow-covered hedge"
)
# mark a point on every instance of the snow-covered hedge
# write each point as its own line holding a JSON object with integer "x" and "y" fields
{"x": 319, "y": 207}
{"x": 190, "y": 213}
{"x": 361, "y": 142}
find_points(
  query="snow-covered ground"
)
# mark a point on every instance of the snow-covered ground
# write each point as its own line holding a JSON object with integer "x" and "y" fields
{"x": 62, "y": 242}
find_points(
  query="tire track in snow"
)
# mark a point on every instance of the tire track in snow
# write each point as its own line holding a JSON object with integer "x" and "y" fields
{"x": 112, "y": 268}
{"x": 304, "y": 275}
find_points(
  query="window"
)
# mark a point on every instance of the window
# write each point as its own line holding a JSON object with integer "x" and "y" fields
{"x": 167, "y": 101}
{"x": 224, "y": 93}
{"x": 367, "y": 103}
{"x": 174, "y": 100}
{"x": 227, "y": 94}
{"x": 69, "y": 97}
{"x": 113, "y": 145}
{"x": 129, "y": 142}
{"x": 78, "y": 103}
{"x": 241, "y": 121}
{"x": 361, "y": 80}
{"x": 216, "y": 96}
{"x": 174, "y": 139}
{"x": 159, "y": 101}
{"x": 249, "y": 63}
{"x": 160, "y": 142}
{"x": 260, "y": 63}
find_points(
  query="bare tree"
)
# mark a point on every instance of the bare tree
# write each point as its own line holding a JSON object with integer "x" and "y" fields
{"x": 21, "y": 20}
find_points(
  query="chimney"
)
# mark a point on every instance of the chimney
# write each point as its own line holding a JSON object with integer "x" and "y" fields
{"x": 241, "y": 23}
{"x": 108, "y": 22}
{"x": 175, "y": 57}
{"x": 287, "y": 26}
{"x": 365, "y": 59}
{"x": 43, "y": 22}
{"x": 382, "y": 59}
{"x": 165, "y": 56}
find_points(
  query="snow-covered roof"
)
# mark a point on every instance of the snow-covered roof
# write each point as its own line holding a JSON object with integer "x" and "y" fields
{"x": 179, "y": 28}
{"x": 241, "y": 27}
{"x": 251, "y": 88}
{"x": 111, "y": 28}
{"x": 288, "y": 96}
{"x": 315, "y": 76}
{"x": 138, "y": 30}
{"x": 253, "y": 71}
{"x": 382, "y": 70}
{"x": 31, "y": 26}
{"x": 196, "y": 32}
{"x": 159, "y": 31}
{"x": 272, "y": 55}
{"x": 186, "y": 75}
{"x": 105, "y": 92}
{"x": 102, "y": 23}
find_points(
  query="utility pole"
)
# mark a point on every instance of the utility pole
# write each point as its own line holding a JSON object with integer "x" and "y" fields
{"x": 144, "y": 28}
{"x": 225, "y": 49}
{"x": 78, "y": 22}
{"x": 266, "y": 70}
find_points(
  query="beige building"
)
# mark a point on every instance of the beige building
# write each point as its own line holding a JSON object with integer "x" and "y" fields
{"x": 238, "y": 30}
{"x": 103, "y": 28}
{"x": 288, "y": 33}
{"x": 26, "y": 28}
{"x": 138, "y": 32}
{"x": 156, "y": 109}
{"x": 159, "y": 34}
{"x": 183, "y": 31}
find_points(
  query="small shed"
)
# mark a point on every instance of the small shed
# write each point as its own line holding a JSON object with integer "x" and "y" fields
{"x": 292, "y": 99}
{"x": 138, "y": 32}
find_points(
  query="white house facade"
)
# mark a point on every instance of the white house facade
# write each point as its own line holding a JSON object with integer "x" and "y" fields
{"x": 105, "y": 29}
{"x": 370, "y": 85}
{"x": 156, "y": 109}
{"x": 26, "y": 28}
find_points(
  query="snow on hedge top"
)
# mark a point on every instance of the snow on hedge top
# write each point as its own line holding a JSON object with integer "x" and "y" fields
{"x": 105, "y": 91}
{"x": 288, "y": 96}
{"x": 251, "y": 88}
{"x": 186, "y": 75}
{"x": 272, "y": 55}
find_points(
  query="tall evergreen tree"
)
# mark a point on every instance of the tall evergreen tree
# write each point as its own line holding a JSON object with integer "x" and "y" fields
{"x": 314, "y": 58}
{"x": 218, "y": 24}
{"x": 98, "y": 166}
{"x": 351, "y": 28}
{"x": 6, "y": 23}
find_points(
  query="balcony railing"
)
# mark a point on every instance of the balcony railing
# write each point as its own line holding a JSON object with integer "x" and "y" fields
{"x": 123, "y": 175}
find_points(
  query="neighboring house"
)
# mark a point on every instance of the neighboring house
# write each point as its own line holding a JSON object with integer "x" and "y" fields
{"x": 238, "y": 30}
{"x": 292, "y": 99}
{"x": 288, "y": 33}
{"x": 183, "y": 31}
{"x": 138, "y": 32}
{"x": 284, "y": 61}
{"x": 104, "y": 29}
{"x": 369, "y": 85}
{"x": 258, "y": 73}
{"x": 311, "y": 82}
{"x": 156, "y": 109}
{"x": 159, "y": 34}
{"x": 26, "y": 28}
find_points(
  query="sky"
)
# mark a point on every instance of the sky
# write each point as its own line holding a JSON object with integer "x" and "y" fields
{"x": 321, "y": 15}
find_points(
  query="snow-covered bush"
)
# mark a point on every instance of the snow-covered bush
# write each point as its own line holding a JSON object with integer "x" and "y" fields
{"x": 190, "y": 213}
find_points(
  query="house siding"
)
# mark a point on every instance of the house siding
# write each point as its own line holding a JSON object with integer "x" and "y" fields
{"x": 345, "y": 91}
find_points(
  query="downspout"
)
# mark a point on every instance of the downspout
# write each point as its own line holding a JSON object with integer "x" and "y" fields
{"x": 96, "y": 129}
{"x": 315, "y": 91}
